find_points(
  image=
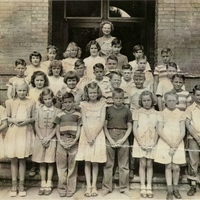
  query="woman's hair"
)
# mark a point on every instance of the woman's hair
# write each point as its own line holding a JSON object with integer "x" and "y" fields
{"x": 107, "y": 22}
{"x": 20, "y": 62}
{"x": 39, "y": 73}
{"x": 152, "y": 96}
{"x": 36, "y": 54}
{"x": 55, "y": 63}
{"x": 70, "y": 46}
{"x": 196, "y": 88}
{"x": 19, "y": 83}
{"x": 71, "y": 75}
{"x": 92, "y": 42}
{"x": 92, "y": 85}
{"x": 46, "y": 91}
{"x": 170, "y": 93}
{"x": 180, "y": 76}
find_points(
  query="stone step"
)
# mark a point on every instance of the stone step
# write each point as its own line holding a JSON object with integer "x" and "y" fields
{"x": 159, "y": 181}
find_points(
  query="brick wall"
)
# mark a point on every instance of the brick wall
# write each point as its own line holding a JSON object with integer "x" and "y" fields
{"x": 25, "y": 27}
{"x": 178, "y": 27}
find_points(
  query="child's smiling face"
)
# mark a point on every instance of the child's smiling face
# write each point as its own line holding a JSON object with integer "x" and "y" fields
{"x": 171, "y": 101}
{"x": 177, "y": 83}
{"x": 20, "y": 69}
{"x": 51, "y": 54}
{"x": 39, "y": 82}
{"x": 197, "y": 97}
{"x": 71, "y": 83}
{"x": 35, "y": 60}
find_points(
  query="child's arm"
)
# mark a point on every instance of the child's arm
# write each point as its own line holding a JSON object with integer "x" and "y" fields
{"x": 9, "y": 92}
{"x": 160, "y": 133}
{"x": 58, "y": 135}
{"x": 181, "y": 135}
{"x": 3, "y": 124}
{"x": 192, "y": 131}
{"x": 155, "y": 85}
{"x": 77, "y": 137}
{"x": 135, "y": 132}
{"x": 160, "y": 103}
{"x": 37, "y": 129}
{"x": 128, "y": 131}
{"x": 85, "y": 126}
{"x": 100, "y": 124}
{"x": 47, "y": 139}
{"x": 111, "y": 141}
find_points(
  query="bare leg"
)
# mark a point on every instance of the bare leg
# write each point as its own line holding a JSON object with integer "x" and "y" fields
{"x": 88, "y": 174}
{"x": 176, "y": 174}
{"x": 14, "y": 168}
{"x": 142, "y": 171}
{"x": 149, "y": 171}
{"x": 168, "y": 173}
{"x": 43, "y": 174}
{"x": 50, "y": 174}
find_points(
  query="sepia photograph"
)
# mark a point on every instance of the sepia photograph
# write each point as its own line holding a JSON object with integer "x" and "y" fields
{"x": 99, "y": 99}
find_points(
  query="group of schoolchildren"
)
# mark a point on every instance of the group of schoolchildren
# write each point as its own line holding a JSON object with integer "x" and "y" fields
{"x": 72, "y": 110}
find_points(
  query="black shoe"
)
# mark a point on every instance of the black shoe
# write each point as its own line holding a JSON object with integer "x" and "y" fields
{"x": 192, "y": 190}
{"x": 169, "y": 196}
{"x": 177, "y": 194}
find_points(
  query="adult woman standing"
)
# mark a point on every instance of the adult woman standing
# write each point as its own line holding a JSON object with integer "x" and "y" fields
{"x": 105, "y": 41}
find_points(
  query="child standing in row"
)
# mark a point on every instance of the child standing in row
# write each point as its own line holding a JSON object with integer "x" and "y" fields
{"x": 68, "y": 124}
{"x": 170, "y": 147}
{"x": 3, "y": 125}
{"x": 52, "y": 52}
{"x": 145, "y": 133}
{"x": 193, "y": 127}
{"x": 92, "y": 148}
{"x": 55, "y": 73}
{"x": 45, "y": 142}
{"x": 39, "y": 81}
{"x": 117, "y": 128}
{"x": 19, "y": 137}
{"x": 93, "y": 48}
{"x": 20, "y": 68}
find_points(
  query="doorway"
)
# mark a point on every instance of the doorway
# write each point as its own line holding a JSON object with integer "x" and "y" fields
{"x": 78, "y": 21}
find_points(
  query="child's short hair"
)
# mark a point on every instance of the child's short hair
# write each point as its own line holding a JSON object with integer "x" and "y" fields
{"x": 46, "y": 91}
{"x": 112, "y": 57}
{"x": 54, "y": 48}
{"x": 152, "y": 96}
{"x": 92, "y": 42}
{"x": 36, "y": 54}
{"x": 171, "y": 64}
{"x": 39, "y": 73}
{"x": 180, "y": 76}
{"x": 78, "y": 63}
{"x": 137, "y": 48}
{"x": 141, "y": 57}
{"x": 55, "y": 63}
{"x": 116, "y": 41}
{"x": 127, "y": 66}
{"x": 170, "y": 93}
{"x": 67, "y": 95}
{"x": 196, "y": 88}
{"x": 107, "y": 22}
{"x": 166, "y": 50}
{"x": 71, "y": 75}
{"x": 20, "y": 62}
{"x": 92, "y": 85}
{"x": 111, "y": 74}
{"x": 98, "y": 65}
{"x": 117, "y": 91}
{"x": 139, "y": 74}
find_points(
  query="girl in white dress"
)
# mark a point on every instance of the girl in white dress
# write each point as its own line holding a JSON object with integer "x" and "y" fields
{"x": 20, "y": 136}
{"x": 144, "y": 129}
{"x": 92, "y": 145}
{"x": 170, "y": 148}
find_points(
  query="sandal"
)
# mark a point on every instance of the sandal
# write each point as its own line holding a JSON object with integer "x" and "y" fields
{"x": 149, "y": 191}
{"x": 143, "y": 192}
{"x": 94, "y": 192}
{"x": 41, "y": 191}
{"x": 88, "y": 192}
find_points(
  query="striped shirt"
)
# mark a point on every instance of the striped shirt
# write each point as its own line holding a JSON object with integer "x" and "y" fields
{"x": 68, "y": 122}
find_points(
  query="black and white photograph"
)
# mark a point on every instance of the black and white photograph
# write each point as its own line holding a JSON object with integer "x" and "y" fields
{"x": 99, "y": 99}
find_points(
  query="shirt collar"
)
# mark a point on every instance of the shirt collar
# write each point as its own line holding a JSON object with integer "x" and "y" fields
{"x": 45, "y": 108}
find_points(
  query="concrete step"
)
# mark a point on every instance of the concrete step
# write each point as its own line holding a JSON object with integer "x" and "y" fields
{"x": 159, "y": 181}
